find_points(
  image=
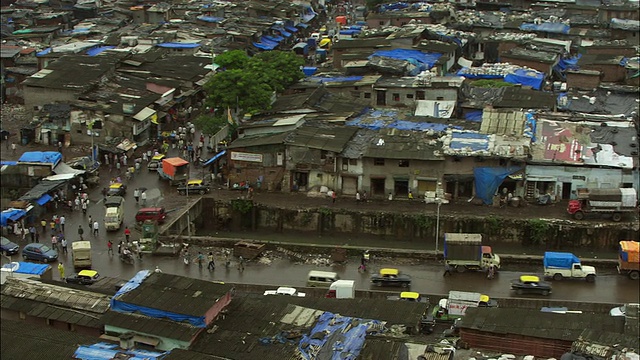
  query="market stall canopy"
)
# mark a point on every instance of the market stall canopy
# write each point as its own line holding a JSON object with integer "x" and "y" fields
{"x": 40, "y": 157}
{"x": 63, "y": 168}
{"x": 11, "y": 215}
{"x": 44, "y": 199}
{"x": 42, "y": 188}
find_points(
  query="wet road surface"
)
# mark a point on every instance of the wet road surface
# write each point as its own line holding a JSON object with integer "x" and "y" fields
{"x": 427, "y": 278}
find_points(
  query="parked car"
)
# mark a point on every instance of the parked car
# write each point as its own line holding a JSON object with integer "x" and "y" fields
{"x": 155, "y": 162}
{"x": 530, "y": 284}
{"x": 117, "y": 189}
{"x": 84, "y": 277}
{"x": 8, "y": 247}
{"x": 194, "y": 187}
{"x": 39, "y": 252}
{"x": 391, "y": 277}
{"x": 283, "y": 290}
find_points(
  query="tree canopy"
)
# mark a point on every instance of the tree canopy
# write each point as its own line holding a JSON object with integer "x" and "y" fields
{"x": 248, "y": 83}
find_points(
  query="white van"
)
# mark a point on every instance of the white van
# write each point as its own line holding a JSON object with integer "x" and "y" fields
{"x": 321, "y": 278}
{"x": 114, "y": 213}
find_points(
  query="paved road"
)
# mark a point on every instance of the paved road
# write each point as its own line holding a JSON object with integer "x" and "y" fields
{"x": 427, "y": 278}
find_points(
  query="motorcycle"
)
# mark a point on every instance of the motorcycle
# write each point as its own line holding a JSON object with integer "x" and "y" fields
{"x": 127, "y": 258}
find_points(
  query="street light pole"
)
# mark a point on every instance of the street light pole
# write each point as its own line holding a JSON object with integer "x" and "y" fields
{"x": 438, "y": 202}
{"x": 93, "y": 157}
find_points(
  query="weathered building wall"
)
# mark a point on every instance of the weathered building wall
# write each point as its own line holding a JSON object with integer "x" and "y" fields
{"x": 419, "y": 175}
{"x": 419, "y": 226}
{"x": 584, "y": 80}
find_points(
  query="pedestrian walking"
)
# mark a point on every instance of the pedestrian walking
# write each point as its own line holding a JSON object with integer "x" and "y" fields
{"x": 57, "y": 221}
{"x": 410, "y": 195}
{"x": 80, "y": 232}
{"x": 76, "y": 203}
{"x": 61, "y": 270}
{"x": 211, "y": 265}
{"x": 25, "y": 232}
{"x": 13, "y": 148}
{"x": 43, "y": 223}
{"x": 200, "y": 259}
{"x": 390, "y": 197}
{"x": 364, "y": 196}
{"x": 120, "y": 247}
{"x": 118, "y": 167}
{"x": 54, "y": 242}
{"x": 63, "y": 243}
{"x": 96, "y": 226}
{"x": 333, "y": 197}
{"x": 90, "y": 222}
{"x": 62, "y": 221}
{"x": 127, "y": 233}
{"x": 447, "y": 270}
{"x": 37, "y": 237}
{"x": 106, "y": 159}
{"x": 84, "y": 207}
{"x": 104, "y": 193}
{"x": 124, "y": 159}
{"x": 136, "y": 194}
{"x": 32, "y": 232}
{"x": 139, "y": 249}
{"x": 240, "y": 264}
{"x": 143, "y": 198}
{"x": 110, "y": 248}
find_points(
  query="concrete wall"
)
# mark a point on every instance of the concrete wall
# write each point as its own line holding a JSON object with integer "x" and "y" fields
{"x": 580, "y": 80}
{"x": 417, "y": 170}
{"x": 179, "y": 222}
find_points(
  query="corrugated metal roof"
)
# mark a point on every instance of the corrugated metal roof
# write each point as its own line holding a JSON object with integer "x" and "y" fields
{"x": 402, "y": 144}
{"x": 537, "y": 324}
{"x": 144, "y": 324}
{"x": 324, "y": 138}
{"x": 258, "y": 140}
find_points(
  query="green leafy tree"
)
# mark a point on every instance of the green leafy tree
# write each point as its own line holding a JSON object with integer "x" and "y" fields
{"x": 279, "y": 69}
{"x": 248, "y": 83}
{"x": 238, "y": 89}
{"x": 373, "y": 4}
{"x": 209, "y": 124}
{"x": 234, "y": 59}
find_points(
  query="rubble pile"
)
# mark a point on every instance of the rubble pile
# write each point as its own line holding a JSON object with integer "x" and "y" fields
{"x": 510, "y": 36}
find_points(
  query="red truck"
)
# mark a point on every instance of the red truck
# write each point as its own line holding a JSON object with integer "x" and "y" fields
{"x": 614, "y": 202}
{"x": 629, "y": 259}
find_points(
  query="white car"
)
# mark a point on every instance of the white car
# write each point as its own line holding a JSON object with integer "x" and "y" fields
{"x": 624, "y": 309}
{"x": 283, "y": 290}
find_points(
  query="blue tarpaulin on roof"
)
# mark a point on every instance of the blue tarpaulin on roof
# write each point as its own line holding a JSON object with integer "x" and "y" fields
{"x": 44, "y": 52}
{"x": 174, "y": 45}
{"x": 308, "y": 70}
{"x": 558, "y": 28}
{"x": 379, "y": 119}
{"x": 323, "y": 80}
{"x": 352, "y": 331}
{"x": 97, "y": 50}
{"x": 291, "y": 29}
{"x": 26, "y": 268}
{"x": 282, "y": 31}
{"x": 11, "y": 215}
{"x": 44, "y": 199}
{"x": 488, "y": 179}
{"x": 527, "y": 77}
{"x": 393, "y": 7}
{"x": 302, "y": 25}
{"x": 8, "y": 162}
{"x": 422, "y": 61}
{"x": 210, "y": 19}
{"x": 530, "y": 126}
{"x": 123, "y": 307}
{"x": 107, "y": 351}
{"x": 350, "y": 32}
{"x": 276, "y": 39}
{"x": 218, "y": 156}
{"x": 474, "y": 115}
{"x": 263, "y": 46}
{"x": 266, "y": 41}
{"x": 469, "y": 140}
{"x": 42, "y": 157}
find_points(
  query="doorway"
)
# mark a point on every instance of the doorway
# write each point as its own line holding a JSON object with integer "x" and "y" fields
{"x": 566, "y": 190}
{"x": 377, "y": 186}
{"x": 300, "y": 181}
{"x": 349, "y": 185}
{"x": 381, "y": 97}
{"x": 401, "y": 187}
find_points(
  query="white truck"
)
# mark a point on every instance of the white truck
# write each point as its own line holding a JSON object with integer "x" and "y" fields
{"x": 457, "y": 304}
{"x": 465, "y": 252}
{"x": 81, "y": 254}
{"x": 560, "y": 265}
{"x": 342, "y": 289}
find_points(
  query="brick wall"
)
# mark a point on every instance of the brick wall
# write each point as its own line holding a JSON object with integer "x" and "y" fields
{"x": 576, "y": 80}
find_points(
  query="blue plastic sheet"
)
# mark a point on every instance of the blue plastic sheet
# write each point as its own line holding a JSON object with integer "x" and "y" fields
{"x": 324, "y": 80}
{"x": 530, "y": 126}
{"x": 42, "y": 157}
{"x": 107, "y": 351}
{"x": 210, "y": 19}
{"x": 350, "y": 32}
{"x": 97, "y": 50}
{"x": 527, "y": 77}
{"x": 10, "y": 163}
{"x": 558, "y": 28}
{"x": 282, "y": 31}
{"x": 393, "y": 7}
{"x": 44, "y": 199}
{"x": 422, "y": 61}
{"x": 291, "y": 29}
{"x": 263, "y": 46}
{"x": 302, "y": 25}
{"x": 381, "y": 119}
{"x": 218, "y": 156}
{"x": 488, "y": 179}
{"x": 559, "y": 259}
{"x": 474, "y": 115}
{"x": 266, "y": 41}
{"x": 173, "y": 45}
{"x": 352, "y": 332}
{"x": 275, "y": 39}
{"x": 462, "y": 71}
{"x": 468, "y": 140}
{"x": 308, "y": 71}
{"x": 11, "y": 215}
{"x": 27, "y": 268}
